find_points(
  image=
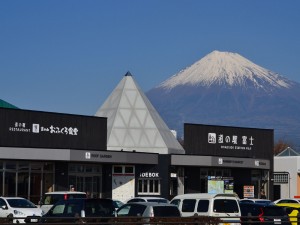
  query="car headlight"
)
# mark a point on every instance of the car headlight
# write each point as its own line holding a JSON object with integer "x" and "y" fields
{"x": 19, "y": 213}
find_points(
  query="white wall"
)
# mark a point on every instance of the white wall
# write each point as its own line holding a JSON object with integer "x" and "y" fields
{"x": 290, "y": 164}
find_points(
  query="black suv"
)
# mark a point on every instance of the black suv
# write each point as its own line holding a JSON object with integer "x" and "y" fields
{"x": 256, "y": 214}
{"x": 80, "y": 210}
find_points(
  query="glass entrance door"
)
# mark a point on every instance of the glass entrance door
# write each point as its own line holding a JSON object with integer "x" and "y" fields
{"x": 86, "y": 178}
{"x": 85, "y": 183}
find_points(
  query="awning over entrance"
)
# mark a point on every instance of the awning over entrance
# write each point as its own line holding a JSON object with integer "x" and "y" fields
{"x": 197, "y": 160}
{"x": 41, "y": 154}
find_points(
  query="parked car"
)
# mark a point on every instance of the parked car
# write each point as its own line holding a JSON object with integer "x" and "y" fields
{"x": 224, "y": 206}
{"x": 80, "y": 209}
{"x": 148, "y": 209}
{"x": 256, "y": 214}
{"x": 292, "y": 209}
{"x": 148, "y": 199}
{"x": 20, "y": 209}
{"x": 287, "y": 200}
{"x": 50, "y": 198}
{"x": 256, "y": 200}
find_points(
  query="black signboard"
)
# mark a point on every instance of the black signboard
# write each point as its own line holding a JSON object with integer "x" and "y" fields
{"x": 228, "y": 141}
{"x": 34, "y": 129}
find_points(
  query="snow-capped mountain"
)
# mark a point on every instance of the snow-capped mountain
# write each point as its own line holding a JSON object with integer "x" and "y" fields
{"x": 226, "y": 68}
{"x": 225, "y": 88}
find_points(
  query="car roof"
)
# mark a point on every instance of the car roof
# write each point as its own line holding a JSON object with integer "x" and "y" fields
{"x": 150, "y": 204}
{"x": 147, "y": 198}
{"x": 12, "y": 197}
{"x": 295, "y": 205}
{"x": 64, "y": 192}
{"x": 281, "y": 199}
{"x": 257, "y": 204}
{"x": 205, "y": 195}
{"x": 87, "y": 199}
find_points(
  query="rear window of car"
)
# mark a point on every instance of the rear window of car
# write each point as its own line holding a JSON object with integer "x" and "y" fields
{"x": 225, "y": 206}
{"x": 274, "y": 211}
{"x": 288, "y": 201}
{"x": 166, "y": 211}
{"x": 250, "y": 210}
{"x": 136, "y": 200}
{"x": 158, "y": 200}
{"x": 131, "y": 210}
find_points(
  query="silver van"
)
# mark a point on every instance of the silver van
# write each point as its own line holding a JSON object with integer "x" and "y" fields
{"x": 224, "y": 206}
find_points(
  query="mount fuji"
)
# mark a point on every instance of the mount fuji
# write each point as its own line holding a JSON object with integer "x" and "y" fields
{"x": 226, "y": 89}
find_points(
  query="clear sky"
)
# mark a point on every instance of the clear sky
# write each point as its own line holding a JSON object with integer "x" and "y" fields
{"x": 67, "y": 56}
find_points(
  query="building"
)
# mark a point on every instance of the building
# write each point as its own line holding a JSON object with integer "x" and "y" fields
{"x": 286, "y": 174}
{"x": 127, "y": 150}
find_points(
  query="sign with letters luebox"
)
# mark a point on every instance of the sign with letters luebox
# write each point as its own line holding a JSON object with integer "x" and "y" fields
{"x": 35, "y": 129}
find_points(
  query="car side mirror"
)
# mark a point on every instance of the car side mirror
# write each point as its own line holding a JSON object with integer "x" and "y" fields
{"x": 4, "y": 207}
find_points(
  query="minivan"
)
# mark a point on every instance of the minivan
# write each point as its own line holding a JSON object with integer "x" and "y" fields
{"x": 224, "y": 206}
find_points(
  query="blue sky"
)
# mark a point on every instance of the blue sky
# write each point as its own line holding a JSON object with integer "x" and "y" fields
{"x": 67, "y": 56}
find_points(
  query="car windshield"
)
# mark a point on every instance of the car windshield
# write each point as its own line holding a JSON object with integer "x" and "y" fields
{"x": 225, "y": 206}
{"x": 274, "y": 211}
{"x": 20, "y": 203}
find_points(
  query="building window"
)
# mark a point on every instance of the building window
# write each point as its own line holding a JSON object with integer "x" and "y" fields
{"x": 121, "y": 169}
{"x": 149, "y": 187}
{"x": 129, "y": 169}
{"x": 118, "y": 169}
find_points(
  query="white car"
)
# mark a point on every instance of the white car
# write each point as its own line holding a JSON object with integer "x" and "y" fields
{"x": 19, "y": 208}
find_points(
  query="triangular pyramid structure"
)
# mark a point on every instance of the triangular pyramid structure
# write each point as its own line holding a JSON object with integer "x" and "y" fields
{"x": 288, "y": 152}
{"x": 133, "y": 124}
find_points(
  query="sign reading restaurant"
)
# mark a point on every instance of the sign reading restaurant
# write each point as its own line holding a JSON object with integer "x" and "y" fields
{"x": 228, "y": 141}
{"x": 35, "y": 129}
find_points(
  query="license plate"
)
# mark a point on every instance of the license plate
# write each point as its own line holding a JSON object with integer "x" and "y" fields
{"x": 277, "y": 221}
{"x": 33, "y": 220}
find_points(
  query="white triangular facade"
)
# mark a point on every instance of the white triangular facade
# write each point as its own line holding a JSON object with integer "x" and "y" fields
{"x": 133, "y": 124}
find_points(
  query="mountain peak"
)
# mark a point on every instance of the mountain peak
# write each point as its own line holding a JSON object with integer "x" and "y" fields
{"x": 226, "y": 68}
